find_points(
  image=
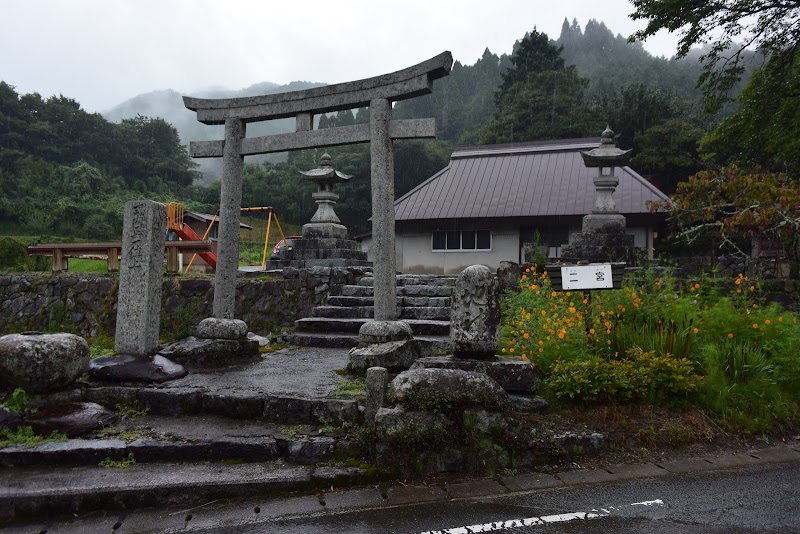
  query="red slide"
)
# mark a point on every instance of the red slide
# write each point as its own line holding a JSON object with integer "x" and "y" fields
{"x": 187, "y": 234}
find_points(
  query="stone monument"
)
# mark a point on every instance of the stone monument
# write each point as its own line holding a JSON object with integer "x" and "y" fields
{"x": 324, "y": 240}
{"x": 475, "y": 314}
{"x": 140, "y": 278}
{"x": 602, "y": 237}
{"x": 475, "y": 334}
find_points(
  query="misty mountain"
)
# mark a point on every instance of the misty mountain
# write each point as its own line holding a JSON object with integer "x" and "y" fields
{"x": 168, "y": 105}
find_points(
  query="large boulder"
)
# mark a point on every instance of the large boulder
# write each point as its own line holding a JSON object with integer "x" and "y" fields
{"x": 40, "y": 363}
{"x": 475, "y": 314}
{"x": 442, "y": 389}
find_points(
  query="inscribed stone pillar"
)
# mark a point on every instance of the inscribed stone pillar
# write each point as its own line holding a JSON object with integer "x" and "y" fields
{"x": 140, "y": 278}
{"x": 382, "y": 170}
{"x": 475, "y": 314}
{"x": 230, "y": 205}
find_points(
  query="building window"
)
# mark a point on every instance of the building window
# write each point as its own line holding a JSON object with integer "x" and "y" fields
{"x": 462, "y": 240}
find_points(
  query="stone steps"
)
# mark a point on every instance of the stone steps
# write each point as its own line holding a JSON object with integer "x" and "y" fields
{"x": 329, "y": 324}
{"x": 38, "y": 493}
{"x": 405, "y": 302}
{"x": 405, "y": 280}
{"x": 345, "y": 340}
{"x": 368, "y": 312}
{"x": 153, "y": 439}
{"x": 423, "y": 301}
{"x": 402, "y": 291}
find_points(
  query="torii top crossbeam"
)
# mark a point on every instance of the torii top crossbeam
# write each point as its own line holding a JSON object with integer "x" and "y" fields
{"x": 400, "y": 85}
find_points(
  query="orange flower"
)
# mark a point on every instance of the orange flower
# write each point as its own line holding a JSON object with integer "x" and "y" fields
{"x": 767, "y": 321}
{"x": 591, "y": 330}
{"x": 696, "y": 330}
{"x": 544, "y": 313}
{"x": 561, "y": 335}
{"x": 730, "y": 335}
{"x": 780, "y": 319}
{"x": 526, "y": 335}
{"x": 738, "y": 281}
{"x": 755, "y": 325}
{"x": 697, "y": 286}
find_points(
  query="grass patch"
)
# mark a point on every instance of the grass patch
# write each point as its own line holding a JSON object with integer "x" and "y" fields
{"x": 25, "y": 436}
{"x": 353, "y": 388}
{"x": 87, "y": 265}
{"x": 128, "y": 461}
{"x": 291, "y": 431}
{"x": 101, "y": 346}
{"x": 18, "y": 402}
{"x": 130, "y": 408}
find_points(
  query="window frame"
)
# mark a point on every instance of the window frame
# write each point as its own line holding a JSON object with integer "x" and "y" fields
{"x": 475, "y": 233}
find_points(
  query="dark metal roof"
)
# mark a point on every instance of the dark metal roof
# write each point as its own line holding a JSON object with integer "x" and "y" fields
{"x": 523, "y": 180}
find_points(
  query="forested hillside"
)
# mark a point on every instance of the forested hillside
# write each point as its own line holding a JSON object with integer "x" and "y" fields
{"x": 66, "y": 171}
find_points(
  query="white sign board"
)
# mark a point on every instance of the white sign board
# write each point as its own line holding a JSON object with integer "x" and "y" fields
{"x": 593, "y": 276}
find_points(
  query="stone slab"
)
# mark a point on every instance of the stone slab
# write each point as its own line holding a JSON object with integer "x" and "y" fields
{"x": 512, "y": 376}
{"x": 361, "y": 498}
{"x": 397, "y": 495}
{"x": 636, "y": 470}
{"x": 475, "y": 488}
{"x": 777, "y": 454}
{"x": 690, "y": 465}
{"x": 530, "y": 481}
{"x": 585, "y": 476}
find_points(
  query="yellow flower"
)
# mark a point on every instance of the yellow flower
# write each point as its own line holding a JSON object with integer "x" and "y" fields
{"x": 525, "y": 357}
{"x": 544, "y": 313}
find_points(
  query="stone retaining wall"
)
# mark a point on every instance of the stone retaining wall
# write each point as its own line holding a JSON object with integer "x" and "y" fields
{"x": 86, "y": 303}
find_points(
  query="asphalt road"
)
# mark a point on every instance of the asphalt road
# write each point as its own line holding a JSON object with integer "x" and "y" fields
{"x": 754, "y": 499}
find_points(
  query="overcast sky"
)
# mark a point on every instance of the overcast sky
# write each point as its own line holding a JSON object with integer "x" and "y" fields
{"x": 102, "y": 52}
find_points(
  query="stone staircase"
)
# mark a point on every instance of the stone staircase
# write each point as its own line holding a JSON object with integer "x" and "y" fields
{"x": 423, "y": 302}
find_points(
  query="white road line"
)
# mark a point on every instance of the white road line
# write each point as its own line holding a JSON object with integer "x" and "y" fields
{"x": 495, "y": 526}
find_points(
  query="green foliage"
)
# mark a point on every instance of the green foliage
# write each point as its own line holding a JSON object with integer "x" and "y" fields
{"x": 18, "y": 402}
{"x": 641, "y": 377}
{"x": 763, "y": 131}
{"x": 128, "y": 461}
{"x": 24, "y": 435}
{"x": 709, "y": 341}
{"x": 291, "y": 431}
{"x": 767, "y": 25}
{"x": 130, "y": 408}
{"x": 353, "y": 388}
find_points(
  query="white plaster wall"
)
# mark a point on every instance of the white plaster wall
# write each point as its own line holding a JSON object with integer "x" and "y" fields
{"x": 415, "y": 254}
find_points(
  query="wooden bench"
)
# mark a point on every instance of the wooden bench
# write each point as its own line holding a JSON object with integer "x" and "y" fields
{"x": 61, "y": 252}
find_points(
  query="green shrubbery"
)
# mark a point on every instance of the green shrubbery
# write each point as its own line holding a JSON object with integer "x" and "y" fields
{"x": 710, "y": 342}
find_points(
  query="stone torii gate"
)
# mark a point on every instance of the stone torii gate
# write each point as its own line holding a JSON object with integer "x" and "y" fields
{"x": 378, "y": 93}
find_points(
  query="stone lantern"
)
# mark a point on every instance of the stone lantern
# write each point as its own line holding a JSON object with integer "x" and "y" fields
{"x": 602, "y": 236}
{"x": 325, "y": 223}
{"x": 605, "y": 158}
